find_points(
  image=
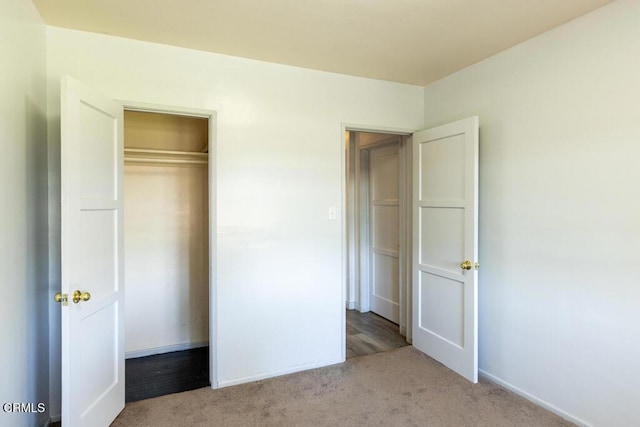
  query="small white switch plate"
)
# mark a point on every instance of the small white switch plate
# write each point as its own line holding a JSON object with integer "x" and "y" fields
{"x": 332, "y": 212}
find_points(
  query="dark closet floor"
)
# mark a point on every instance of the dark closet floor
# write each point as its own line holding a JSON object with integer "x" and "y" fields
{"x": 160, "y": 374}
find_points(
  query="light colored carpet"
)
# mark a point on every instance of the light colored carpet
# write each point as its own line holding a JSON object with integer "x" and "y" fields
{"x": 401, "y": 387}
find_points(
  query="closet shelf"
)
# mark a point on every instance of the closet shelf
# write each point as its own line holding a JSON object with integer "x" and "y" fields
{"x": 147, "y": 156}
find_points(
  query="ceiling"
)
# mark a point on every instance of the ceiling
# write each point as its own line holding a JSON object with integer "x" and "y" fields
{"x": 408, "y": 41}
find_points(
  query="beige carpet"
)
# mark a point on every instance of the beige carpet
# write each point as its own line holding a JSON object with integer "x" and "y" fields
{"x": 401, "y": 387}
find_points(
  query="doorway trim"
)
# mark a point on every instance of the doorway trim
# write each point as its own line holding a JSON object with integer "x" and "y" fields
{"x": 211, "y": 117}
{"x": 348, "y": 264}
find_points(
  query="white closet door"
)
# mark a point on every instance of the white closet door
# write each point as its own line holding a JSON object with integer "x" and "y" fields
{"x": 92, "y": 257}
{"x": 384, "y": 214}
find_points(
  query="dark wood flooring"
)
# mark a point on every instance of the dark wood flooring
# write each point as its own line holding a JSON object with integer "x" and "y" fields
{"x": 160, "y": 374}
{"x": 368, "y": 333}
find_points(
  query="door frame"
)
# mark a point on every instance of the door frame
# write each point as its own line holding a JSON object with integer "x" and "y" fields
{"x": 211, "y": 116}
{"x": 352, "y": 250}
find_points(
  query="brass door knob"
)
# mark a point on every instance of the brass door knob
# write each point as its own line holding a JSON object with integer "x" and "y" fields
{"x": 61, "y": 298}
{"x": 466, "y": 265}
{"x": 80, "y": 296}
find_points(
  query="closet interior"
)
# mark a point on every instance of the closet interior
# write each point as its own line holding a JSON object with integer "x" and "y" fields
{"x": 166, "y": 221}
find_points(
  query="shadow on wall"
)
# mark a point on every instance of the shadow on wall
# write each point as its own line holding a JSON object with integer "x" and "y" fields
{"x": 37, "y": 296}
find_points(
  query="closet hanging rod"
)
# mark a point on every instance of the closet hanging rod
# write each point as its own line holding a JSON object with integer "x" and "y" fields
{"x": 165, "y": 152}
{"x": 147, "y": 160}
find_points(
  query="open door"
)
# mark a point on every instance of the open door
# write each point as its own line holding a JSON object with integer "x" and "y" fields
{"x": 445, "y": 245}
{"x": 92, "y": 257}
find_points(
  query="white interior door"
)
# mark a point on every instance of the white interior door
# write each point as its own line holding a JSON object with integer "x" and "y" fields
{"x": 384, "y": 216}
{"x": 445, "y": 248}
{"x": 92, "y": 255}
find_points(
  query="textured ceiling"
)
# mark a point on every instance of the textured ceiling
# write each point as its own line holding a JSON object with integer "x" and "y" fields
{"x": 409, "y": 41}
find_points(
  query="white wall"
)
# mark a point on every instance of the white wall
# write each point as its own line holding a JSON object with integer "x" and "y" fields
{"x": 166, "y": 258}
{"x": 24, "y": 369}
{"x": 560, "y": 212}
{"x": 280, "y": 166}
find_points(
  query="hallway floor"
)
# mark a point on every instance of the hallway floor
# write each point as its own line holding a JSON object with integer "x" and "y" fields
{"x": 368, "y": 333}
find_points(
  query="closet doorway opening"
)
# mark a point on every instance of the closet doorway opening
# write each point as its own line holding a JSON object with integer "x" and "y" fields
{"x": 377, "y": 196}
{"x": 167, "y": 246}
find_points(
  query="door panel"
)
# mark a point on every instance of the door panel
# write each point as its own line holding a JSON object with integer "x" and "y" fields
{"x": 442, "y": 310}
{"x": 98, "y": 348}
{"x": 98, "y": 250}
{"x": 385, "y": 269}
{"x": 384, "y": 206}
{"x": 92, "y": 257}
{"x": 445, "y": 224}
{"x": 385, "y": 237}
{"x": 443, "y": 169}
{"x": 442, "y": 238}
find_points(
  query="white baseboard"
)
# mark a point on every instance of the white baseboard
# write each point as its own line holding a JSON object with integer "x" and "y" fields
{"x": 546, "y": 405}
{"x": 259, "y": 377}
{"x": 353, "y": 305}
{"x": 166, "y": 349}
